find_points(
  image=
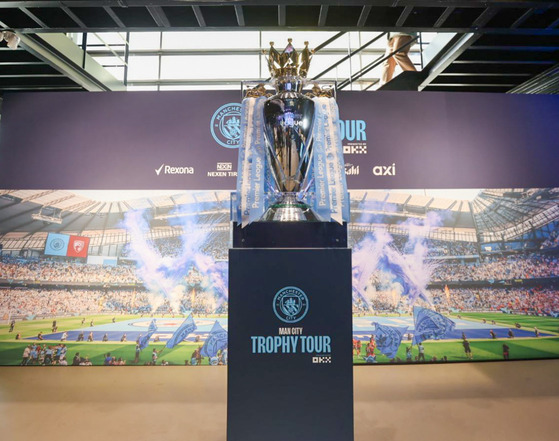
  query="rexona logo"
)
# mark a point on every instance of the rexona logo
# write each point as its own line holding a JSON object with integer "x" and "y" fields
{"x": 354, "y": 136}
{"x": 225, "y": 125}
{"x": 351, "y": 170}
{"x": 384, "y": 170}
{"x": 171, "y": 170}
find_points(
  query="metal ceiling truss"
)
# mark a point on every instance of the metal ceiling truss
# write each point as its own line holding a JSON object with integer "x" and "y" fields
{"x": 505, "y": 43}
{"x": 378, "y": 15}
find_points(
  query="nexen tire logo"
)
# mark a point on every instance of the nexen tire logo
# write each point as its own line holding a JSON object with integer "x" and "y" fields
{"x": 170, "y": 170}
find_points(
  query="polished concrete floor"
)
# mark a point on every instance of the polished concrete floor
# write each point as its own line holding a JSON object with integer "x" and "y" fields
{"x": 493, "y": 401}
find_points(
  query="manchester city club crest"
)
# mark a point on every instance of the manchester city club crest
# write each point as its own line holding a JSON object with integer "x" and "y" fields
{"x": 226, "y": 125}
{"x": 57, "y": 244}
{"x": 290, "y": 304}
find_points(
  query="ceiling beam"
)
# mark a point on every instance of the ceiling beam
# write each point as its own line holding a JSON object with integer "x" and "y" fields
{"x": 322, "y": 16}
{"x": 347, "y": 57}
{"x": 404, "y": 16}
{"x": 523, "y": 18}
{"x": 281, "y": 15}
{"x": 385, "y": 3}
{"x": 455, "y": 50}
{"x": 61, "y": 53}
{"x": 546, "y": 82}
{"x": 236, "y": 52}
{"x": 485, "y": 17}
{"x": 482, "y": 85}
{"x": 207, "y": 82}
{"x": 199, "y": 16}
{"x": 549, "y": 31}
{"x": 240, "y": 15}
{"x": 364, "y": 16}
{"x": 73, "y": 16}
{"x": 159, "y": 16}
{"x": 511, "y": 62}
{"x": 114, "y": 17}
{"x": 443, "y": 17}
{"x": 33, "y": 17}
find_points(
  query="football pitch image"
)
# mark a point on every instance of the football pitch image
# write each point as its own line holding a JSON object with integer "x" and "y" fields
{"x": 476, "y": 327}
{"x": 132, "y": 327}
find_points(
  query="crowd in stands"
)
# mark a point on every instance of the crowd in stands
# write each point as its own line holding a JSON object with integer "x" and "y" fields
{"x": 533, "y": 301}
{"x": 436, "y": 248}
{"x": 552, "y": 241}
{"x": 169, "y": 247}
{"x": 66, "y": 272}
{"x": 216, "y": 246}
{"x": 62, "y": 302}
{"x": 540, "y": 301}
{"x": 509, "y": 267}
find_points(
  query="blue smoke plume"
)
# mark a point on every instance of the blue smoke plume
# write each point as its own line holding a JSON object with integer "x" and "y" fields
{"x": 169, "y": 278}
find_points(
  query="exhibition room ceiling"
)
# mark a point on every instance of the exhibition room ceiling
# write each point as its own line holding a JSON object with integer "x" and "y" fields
{"x": 487, "y": 46}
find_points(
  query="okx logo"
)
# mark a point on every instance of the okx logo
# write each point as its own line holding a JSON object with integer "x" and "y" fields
{"x": 290, "y": 304}
{"x": 225, "y": 125}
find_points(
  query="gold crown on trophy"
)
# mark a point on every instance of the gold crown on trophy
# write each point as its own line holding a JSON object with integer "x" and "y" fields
{"x": 289, "y": 62}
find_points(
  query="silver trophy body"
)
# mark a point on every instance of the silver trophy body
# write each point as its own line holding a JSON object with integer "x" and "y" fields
{"x": 288, "y": 122}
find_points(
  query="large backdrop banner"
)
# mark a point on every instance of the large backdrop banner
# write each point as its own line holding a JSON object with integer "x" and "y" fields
{"x": 115, "y": 226}
{"x": 188, "y": 140}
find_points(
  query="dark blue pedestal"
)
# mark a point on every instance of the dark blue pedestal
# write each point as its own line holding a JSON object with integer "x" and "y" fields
{"x": 290, "y": 373}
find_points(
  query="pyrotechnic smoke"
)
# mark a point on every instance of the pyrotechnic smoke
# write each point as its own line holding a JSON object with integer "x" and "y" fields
{"x": 164, "y": 276}
{"x": 406, "y": 274}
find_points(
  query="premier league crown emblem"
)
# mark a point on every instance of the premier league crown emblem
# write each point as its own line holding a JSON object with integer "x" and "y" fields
{"x": 290, "y": 304}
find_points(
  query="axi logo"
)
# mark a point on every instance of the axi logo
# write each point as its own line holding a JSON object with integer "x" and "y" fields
{"x": 384, "y": 170}
{"x": 225, "y": 125}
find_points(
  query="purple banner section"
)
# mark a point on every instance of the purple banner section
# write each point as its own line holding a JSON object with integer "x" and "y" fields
{"x": 186, "y": 140}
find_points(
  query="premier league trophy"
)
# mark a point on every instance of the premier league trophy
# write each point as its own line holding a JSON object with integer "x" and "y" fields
{"x": 290, "y": 323}
{"x": 290, "y": 160}
{"x": 288, "y": 118}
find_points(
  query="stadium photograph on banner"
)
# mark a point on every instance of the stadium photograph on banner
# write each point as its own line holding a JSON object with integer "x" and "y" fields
{"x": 141, "y": 277}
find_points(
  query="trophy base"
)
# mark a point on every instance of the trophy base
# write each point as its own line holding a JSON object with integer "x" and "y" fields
{"x": 289, "y": 209}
